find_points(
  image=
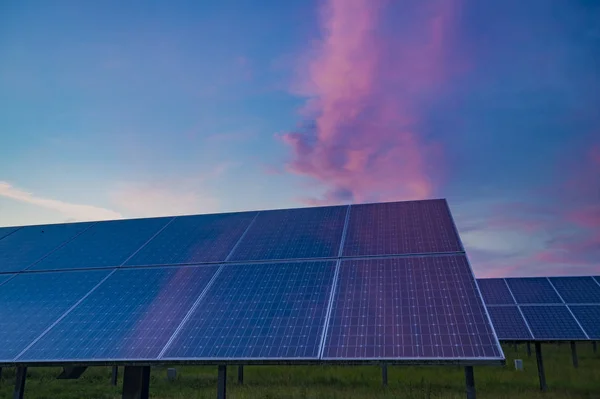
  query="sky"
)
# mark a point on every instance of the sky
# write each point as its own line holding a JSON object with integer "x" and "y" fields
{"x": 121, "y": 109}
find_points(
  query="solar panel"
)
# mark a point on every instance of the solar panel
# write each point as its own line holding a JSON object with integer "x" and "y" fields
{"x": 5, "y": 277}
{"x": 195, "y": 239}
{"x": 577, "y": 289}
{"x": 131, "y": 316}
{"x": 409, "y": 308}
{"x": 533, "y": 290}
{"x": 552, "y": 323}
{"x": 105, "y": 244}
{"x": 259, "y": 311}
{"x": 25, "y": 246}
{"x": 509, "y": 323}
{"x": 32, "y": 302}
{"x": 412, "y": 227}
{"x": 5, "y": 231}
{"x": 589, "y": 318}
{"x": 293, "y": 234}
{"x": 495, "y": 291}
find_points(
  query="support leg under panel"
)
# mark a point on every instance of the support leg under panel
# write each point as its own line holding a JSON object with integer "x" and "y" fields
{"x": 594, "y": 347}
{"x": 20, "y": 383}
{"x": 384, "y": 375}
{"x": 470, "y": 382}
{"x": 114, "y": 378}
{"x": 136, "y": 382}
{"x": 240, "y": 374}
{"x": 71, "y": 373}
{"x": 574, "y": 354}
{"x": 0, "y": 373}
{"x": 540, "y": 365}
{"x": 528, "y": 349}
{"x": 222, "y": 383}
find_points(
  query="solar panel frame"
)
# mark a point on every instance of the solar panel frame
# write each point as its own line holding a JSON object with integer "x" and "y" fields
{"x": 537, "y": 317}
{"x": 588, "y": 316}
{"x": 533, "y": 290}
{"x": 580, "y": 289}
{"x": 499, "y": 316}
{"x": 490, "y": 291}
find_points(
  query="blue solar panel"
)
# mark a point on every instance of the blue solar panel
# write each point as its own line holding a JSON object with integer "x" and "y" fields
{"x": 5, "y": 231}
{"x": 577, "y": 289}
{"x": 293, "y": 234}
{"x": 494, "y": 291}
{"x": 130, "y": 316}
{"x": 589, "y": 318}
{"x": 411, "y": 227}
{"x": 409, "y": 308}
{"x": 32, "y": 302}
{"x": 5, "y": 277}
{"x": 509, "y": 323}
{"x": 104, "y": 244}
{"x": 259, "y": 311}
{"x": 533, "y": 290}
{"x": 27, "y": 245}
{"x": 194, "y": 239}
{"x": 552, "y": 323}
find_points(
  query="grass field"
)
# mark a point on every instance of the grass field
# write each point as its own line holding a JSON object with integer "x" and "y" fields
{"x": 352, "y": 382}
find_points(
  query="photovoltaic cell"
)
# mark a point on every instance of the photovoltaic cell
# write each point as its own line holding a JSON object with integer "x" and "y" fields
{"x": 5, "y": 277}
{"x": 25, "y": 246}
{"x": 577, "y": 289}
{"x": 412, "y": 227}
{"x": 5, "y": 231}
{"x": 409, "y": 308}
{"x": 259, "y": 311}
{"x": 552, "y": 323}
{"x": 131, "y": 316}
{"x": 533, "y": 290}
{"x": 494, "y": 291}
{"x": 32, "y": 302}
{"x": 589, "y": 318}
{"x": 195, "y": 239}
{"x": 293, "y": 234}
{"x": 105, "y": 244}
{"x": 509, "y": 323}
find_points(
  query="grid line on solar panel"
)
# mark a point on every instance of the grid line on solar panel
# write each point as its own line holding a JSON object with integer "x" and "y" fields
{"x": 577, "y": 289}
{"x": 409, "y": 308}
{"x": 29, "y": 244}
{"x": 495, "y": 291}
{"x": 32, "y": 302}
{"x": 552, "y": 323}
{"x": 130, "y": 316}
{"x": 509, "y": 323}
{"x": 5, "y": 277}
{"x": 194, "y": 239}
{"x": 530, "y": 290}
{"x": 106, "y": 244}
{"x": 395, "y": 228}
{"x": 6, "y": 231}
{"x": 589, "y": 318}
{"x": 263, "y": 311}
{"x": 293, "y": 233}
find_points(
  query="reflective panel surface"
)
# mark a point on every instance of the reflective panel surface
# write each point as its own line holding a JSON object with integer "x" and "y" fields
{"x": 533, "y": 290}
{"x": 5, "y": 231}
{"x": 552, "y": 322}
{"x": 589, "y": 318}
{"x": 509, "y": 323}
{"x": 495, "y": 291}
{"x": 577, "y": 289}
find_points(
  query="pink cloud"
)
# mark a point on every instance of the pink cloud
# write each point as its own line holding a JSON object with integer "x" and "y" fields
{"x": 363, "y": 141}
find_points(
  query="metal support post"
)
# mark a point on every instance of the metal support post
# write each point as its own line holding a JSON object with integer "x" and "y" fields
{"x": 384, "y": 375}
{"x": 20, "y": 383}
{"x": 574, "y": 354}
{"x": 528, "y": 349}
{"x": 470, "y": 382}
{"x": 240, "y": 374}
{"x": 0, "y": 373}
{"x": 115, "y": 375}
{"x": 594, "y": 348}
{"x": 136, "y": 382}
{"x": 540, "y": 364}
{"x": 222, "y": 383}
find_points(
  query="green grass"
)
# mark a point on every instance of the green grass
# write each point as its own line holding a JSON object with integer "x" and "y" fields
{"x": 351, "y": 382}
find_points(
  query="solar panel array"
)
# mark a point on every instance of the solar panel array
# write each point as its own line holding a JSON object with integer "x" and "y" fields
{"x": 543, "y": 308}
{"x": 338, "y": 284}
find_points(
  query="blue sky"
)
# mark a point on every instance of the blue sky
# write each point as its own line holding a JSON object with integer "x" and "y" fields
{"x": 129, "y": 109}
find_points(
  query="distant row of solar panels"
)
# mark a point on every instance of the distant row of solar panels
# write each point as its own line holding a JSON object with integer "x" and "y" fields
{"x": 414, "y": 227}
{"x": 406, "y": 309}
{"x": 543, "y": 309}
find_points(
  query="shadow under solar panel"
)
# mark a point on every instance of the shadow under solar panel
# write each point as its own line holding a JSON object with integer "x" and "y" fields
{"x": 495, "y": 291}
{"x": 577, "y": 289}
{"x": 407, "y": 308}
{"x": 396, "y": 228}
{"x": 589, "y": 318}
{"x": 194, "y": 239}
{"x": 552, "y": 323}
{"x": 130, "y": 316}
{"x": 32, "y": 302}
{"x": 259, "y": 312}
{"x": 509, "y": 323}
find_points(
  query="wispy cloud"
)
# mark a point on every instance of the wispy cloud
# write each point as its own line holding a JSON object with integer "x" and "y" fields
{"x": 361, "y": 139}
{"x": 70, "y": 210}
